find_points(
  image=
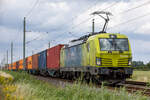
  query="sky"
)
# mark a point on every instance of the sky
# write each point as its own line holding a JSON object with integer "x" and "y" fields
{"x": 59, "y": 21}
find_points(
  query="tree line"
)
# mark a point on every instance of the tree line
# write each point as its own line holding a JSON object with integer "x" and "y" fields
{"x": 139, "y": 65}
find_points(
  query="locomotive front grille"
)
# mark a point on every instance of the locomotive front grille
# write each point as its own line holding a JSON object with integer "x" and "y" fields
{"x": 122, "y": 62}
{"x": 106, "y": 62}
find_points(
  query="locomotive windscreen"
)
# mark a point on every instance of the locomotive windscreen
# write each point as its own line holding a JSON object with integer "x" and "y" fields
{"x": 113, "y": 44}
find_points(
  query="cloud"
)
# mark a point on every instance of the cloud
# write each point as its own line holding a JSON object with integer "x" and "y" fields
{"x": 59, "y": 18}
{"x": 8, "y": 34}
{"x": 129, "y": 17}
{"x": 122, "y": 12}
{"x": 144, "y": 29}
{"x": 140, "y": 50}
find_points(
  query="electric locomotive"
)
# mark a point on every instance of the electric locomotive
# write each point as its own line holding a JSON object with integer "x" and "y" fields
{"x": 99, "y": 56}
{"x": 102, "y": 55}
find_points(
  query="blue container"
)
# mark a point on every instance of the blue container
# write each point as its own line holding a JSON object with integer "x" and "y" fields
{"x": 73, "y": 56}
{"x": 42, "y": 60}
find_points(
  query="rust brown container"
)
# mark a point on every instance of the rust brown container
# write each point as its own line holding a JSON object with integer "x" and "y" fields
{"x": 35, "y": 61}
{"x": 53, "y": 57}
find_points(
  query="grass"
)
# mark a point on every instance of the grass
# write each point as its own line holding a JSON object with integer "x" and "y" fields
{"x": 143, "y": 76}
{"x": 26, "y": 87}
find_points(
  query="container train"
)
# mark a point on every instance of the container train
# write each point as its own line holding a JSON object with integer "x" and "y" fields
{"x": 98, "y": 56}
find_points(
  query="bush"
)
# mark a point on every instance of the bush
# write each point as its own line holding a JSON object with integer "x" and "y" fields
{"x": 26, "y": 87}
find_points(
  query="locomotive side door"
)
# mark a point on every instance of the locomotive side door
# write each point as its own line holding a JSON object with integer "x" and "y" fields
{"x": 92, "y": 53}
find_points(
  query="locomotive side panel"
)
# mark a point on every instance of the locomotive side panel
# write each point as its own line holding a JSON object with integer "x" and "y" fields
{"x": 92, "y": 53}
{"x": 81, "y": 55}
{"x": 73, "y": 56}
{"x": 85, "y": 57}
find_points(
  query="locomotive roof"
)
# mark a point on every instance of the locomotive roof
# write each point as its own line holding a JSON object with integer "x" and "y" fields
{"x": 107, "y": 35}
{"x": 101, "y": 35}
{"x": 93, "y": 36}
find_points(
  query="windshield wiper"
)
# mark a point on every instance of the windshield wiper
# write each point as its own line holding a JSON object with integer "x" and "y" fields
{"x": 117, "y": 47}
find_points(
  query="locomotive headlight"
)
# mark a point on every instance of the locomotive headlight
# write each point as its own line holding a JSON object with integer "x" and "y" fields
{"x": 130, "y": 62}
{"x": 98, "y": 61}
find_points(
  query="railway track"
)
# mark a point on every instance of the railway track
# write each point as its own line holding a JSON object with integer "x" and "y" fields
{"x": 135, "y": 86}
{"x": 130, "y": 86}
{"x": 137, "y": 83}
{"x": 55, "y": 81}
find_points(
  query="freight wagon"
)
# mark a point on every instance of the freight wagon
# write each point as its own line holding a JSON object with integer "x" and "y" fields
{"x": 17, "y": 65}
{"x": 20, "y": 64}
{"x": 42, "y": 62}
{"x": 9, "y": 66}
{"x": 46, "y": 62}
{"x": 14, "y": 66}
{"x": 35, "y": 69}
{"x": 29, "y": 64}
{"x": 53, "y": 60}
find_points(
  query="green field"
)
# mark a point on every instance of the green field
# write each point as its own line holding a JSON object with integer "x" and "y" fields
{"x": 26, "y": 87}
{"x": 141, "y": 76}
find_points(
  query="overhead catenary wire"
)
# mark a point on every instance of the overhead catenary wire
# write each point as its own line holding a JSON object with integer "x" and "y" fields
{"x": 41, "y": 40}
{"x": 73, "y": 26}
{"x": 113, "y": 4}
{"x": 31, "y": 48}
{"x": 47, "y": 33}
{"x": 130, "y": 9}
{"x": 133, "y": 19}
{"x": 30, "y": 11}
{"x": 34, "y": 7}
{"x": 84, "y": 21}
{"x": 94, "y": 4}
{"x": 27, "y": 16}
{"x": 36, "y": 37}
{"x": 99, "y": 9}
{"x": 37, "y": 49}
